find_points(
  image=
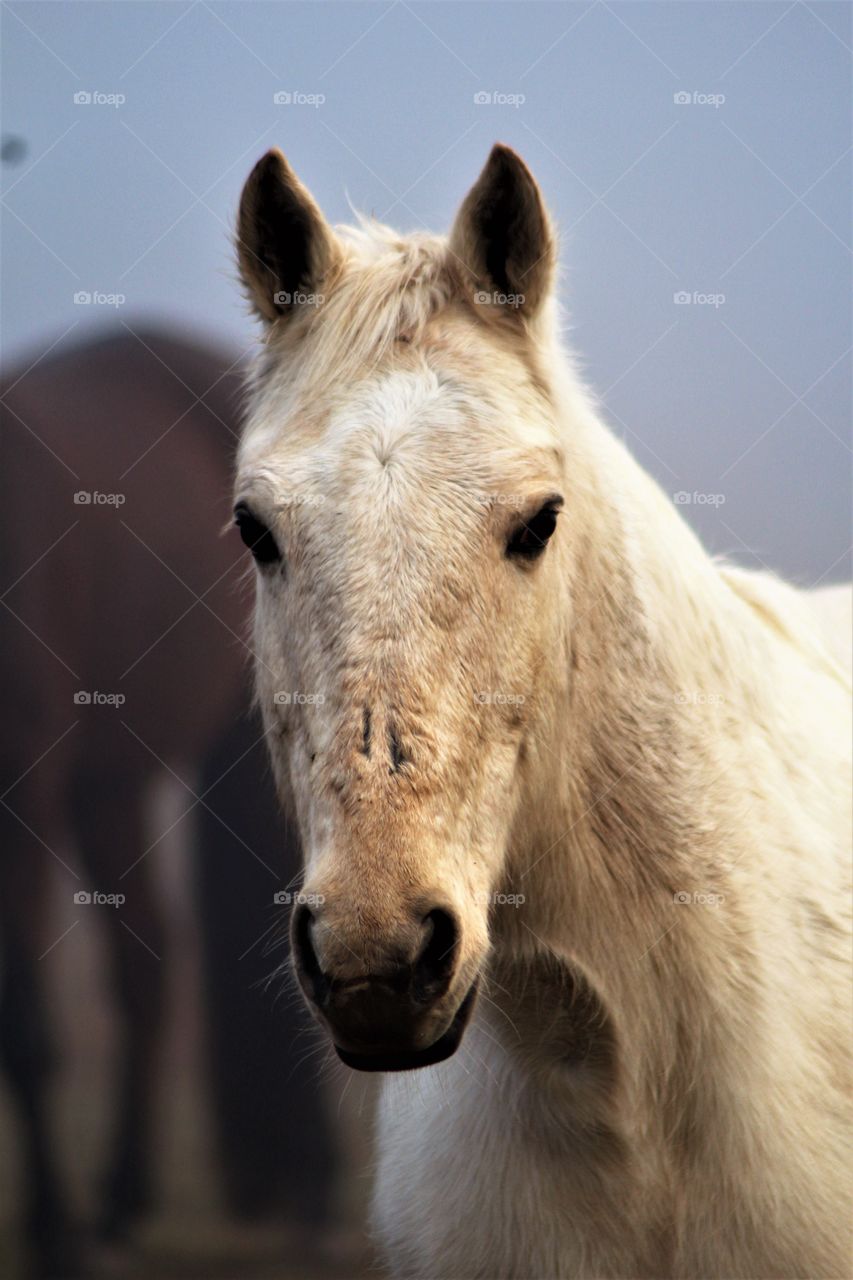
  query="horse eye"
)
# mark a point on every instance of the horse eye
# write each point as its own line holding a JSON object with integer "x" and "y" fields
{"x": 256, "y": 535}
{"x": 529, "y": 539}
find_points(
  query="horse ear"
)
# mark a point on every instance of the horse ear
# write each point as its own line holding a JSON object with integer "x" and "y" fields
{"x": 503, "y": 234}
{"x": 284, "y": 243}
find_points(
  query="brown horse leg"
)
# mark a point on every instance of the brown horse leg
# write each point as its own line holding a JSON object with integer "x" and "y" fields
{"x": 110, "y": 827}
{"x": 26, "y": 1051}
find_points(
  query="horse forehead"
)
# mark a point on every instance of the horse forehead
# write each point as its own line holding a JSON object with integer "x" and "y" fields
{"x": 394, "y": 407}
{"x": 406, "y": 423}
{"x": 382, "y": 429}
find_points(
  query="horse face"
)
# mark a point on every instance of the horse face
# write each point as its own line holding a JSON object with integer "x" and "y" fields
{"x": 405, "y": 520}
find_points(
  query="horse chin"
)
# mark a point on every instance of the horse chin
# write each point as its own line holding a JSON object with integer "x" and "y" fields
{"x": 413, "y": 1059}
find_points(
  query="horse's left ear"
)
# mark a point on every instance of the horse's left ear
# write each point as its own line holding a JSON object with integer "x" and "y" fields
{"x": 503, "y": 235}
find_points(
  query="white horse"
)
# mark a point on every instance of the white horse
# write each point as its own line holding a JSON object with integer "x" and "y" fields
{"x": 573, "y": 797}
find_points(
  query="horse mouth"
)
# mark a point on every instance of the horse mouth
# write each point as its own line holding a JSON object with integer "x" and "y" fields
{"x": 413, "y": 1059}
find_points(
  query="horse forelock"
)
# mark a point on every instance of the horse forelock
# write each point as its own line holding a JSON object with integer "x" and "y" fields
{"x": 383, "y": 289}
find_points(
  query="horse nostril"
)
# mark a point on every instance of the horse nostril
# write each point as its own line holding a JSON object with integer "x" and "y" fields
{"x": 434, "y": 965}
{"x": 307, "y": 964}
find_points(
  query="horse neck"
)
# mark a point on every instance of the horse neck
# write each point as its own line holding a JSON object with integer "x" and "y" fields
{"x": 623, "y": 807}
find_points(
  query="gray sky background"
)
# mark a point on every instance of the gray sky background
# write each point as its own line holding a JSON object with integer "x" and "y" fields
{"x": 740, "y": 194}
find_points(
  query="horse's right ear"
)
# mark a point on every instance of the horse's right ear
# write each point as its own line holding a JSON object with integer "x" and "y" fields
{"x": 284, "y": 244}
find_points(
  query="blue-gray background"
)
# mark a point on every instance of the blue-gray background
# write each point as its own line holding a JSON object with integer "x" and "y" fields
{"x": 740, "y": 195}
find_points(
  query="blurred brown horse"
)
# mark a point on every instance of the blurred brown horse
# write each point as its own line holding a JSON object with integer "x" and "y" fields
{"x": 121, "y": 657}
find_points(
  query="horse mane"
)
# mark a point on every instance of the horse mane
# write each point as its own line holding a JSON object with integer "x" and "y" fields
{"x": 784, "y": 611}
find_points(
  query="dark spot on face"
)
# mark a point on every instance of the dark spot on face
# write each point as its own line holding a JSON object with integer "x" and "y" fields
{"x": 365, "y": 732}
{"x": 395, "y": 747}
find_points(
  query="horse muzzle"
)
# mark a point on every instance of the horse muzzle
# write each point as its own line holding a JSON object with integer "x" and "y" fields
{"x": 387, "y": 1005}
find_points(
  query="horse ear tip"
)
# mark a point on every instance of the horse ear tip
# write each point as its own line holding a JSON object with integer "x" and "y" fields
{"x": 503, "y": 153}
{"x": 272, "y": 160}
{"x": 505, "y": 163}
